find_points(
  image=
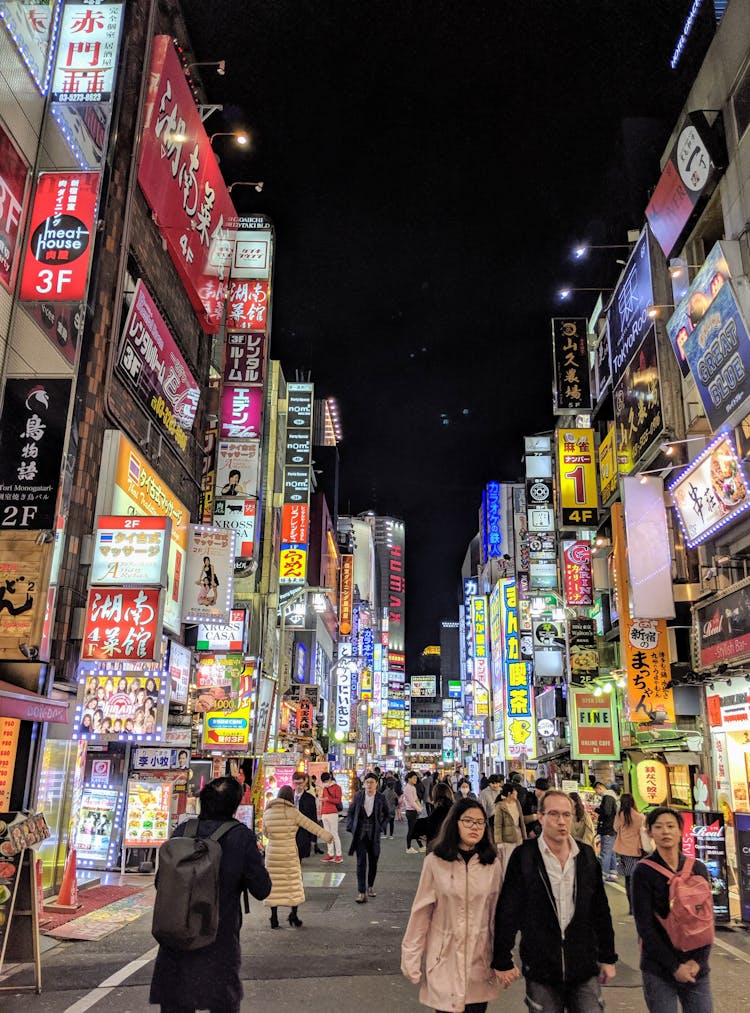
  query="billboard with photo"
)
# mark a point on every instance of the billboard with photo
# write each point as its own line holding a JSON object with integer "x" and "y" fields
{"x": 120, "y": 703}
{"x": 209, "y": 574}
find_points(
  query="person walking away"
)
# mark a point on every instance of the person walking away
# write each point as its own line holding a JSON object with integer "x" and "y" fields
{"x": 330, "y": 807}
{"x": 628, "y": 825}
{"x": 209, "y": 978}
{"x": 413, "y": 808}
{"x": 391, "y": 801}
{"x": 554, "y": 895}
{"x": 531, "y": 805}
{"x": 582, "y": 827}
{"x": 448, "y": 941}
{"x": 366, "y": 821}
{"x": 489, "y": 795}
{"x": 427, "y": 784}
{"x": 515, "y": 778}
{"x": 305, "y": 802}
{"x": 605, "y": 829}
{"x": 483, "y": 782}
{"x": 282, "y": 821}
{"x": 509, "y": 827}
{"x": 429, "y": 826}
{"x": 671, "y": 974}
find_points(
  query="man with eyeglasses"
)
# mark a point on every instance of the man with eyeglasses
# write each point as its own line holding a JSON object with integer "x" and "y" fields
{"x": 554, "y": 895}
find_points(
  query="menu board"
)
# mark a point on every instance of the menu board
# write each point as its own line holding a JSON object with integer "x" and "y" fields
{"x": 147, "y": 820}
{"x": 704, "y": 838}
{"x": 8, "y": 745}
{"x": 95, "y": 825}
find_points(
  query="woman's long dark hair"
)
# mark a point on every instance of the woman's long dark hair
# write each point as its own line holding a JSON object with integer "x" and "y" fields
{"x": 443, "y": 794}
{"x": 577, "y": 805}
{"x": 446, "y": 844}
{"x": 627, "y": 805}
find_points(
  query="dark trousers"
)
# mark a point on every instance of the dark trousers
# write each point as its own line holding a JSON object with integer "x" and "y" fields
{"x": 191, "y": 1009}
{"x": 391, "y": 824}
{"x": 473, "y": 1007}
{"x": 367, "y": 862}
{"x": 411, "y": 818}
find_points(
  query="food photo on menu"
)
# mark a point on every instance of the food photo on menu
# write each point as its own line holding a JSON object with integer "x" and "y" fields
{"x": 113, "y": 705}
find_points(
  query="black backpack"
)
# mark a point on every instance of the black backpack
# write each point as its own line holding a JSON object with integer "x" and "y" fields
{"x": 186, "y": 908}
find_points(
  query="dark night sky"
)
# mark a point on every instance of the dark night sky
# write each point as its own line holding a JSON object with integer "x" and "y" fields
{"x": 428, "y": 166}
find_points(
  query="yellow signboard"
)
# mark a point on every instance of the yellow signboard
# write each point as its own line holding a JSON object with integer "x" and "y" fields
{"x": 607, "y": 466}
{"x": 576, "y": 464}
{"x": 227, "y": 731}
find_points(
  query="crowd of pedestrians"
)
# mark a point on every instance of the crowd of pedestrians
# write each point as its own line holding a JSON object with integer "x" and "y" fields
{"x": 511, "y": 865}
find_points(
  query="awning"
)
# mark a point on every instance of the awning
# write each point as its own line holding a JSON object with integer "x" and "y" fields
{"x": 21, "y": 703}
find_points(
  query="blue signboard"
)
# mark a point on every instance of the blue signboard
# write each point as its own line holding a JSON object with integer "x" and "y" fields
{"x": 627, "y": 317}
{"x": 718, "y": 353}
{"x": 492, "y": 533}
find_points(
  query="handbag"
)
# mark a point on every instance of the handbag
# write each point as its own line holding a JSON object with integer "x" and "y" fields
{"x": 647, "y": 844}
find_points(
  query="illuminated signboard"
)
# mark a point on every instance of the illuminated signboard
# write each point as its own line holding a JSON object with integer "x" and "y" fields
{"x": 237, "y": 464}
{"x": 183, "y": 185}
{"x": 96, "y": 827}
{"x": 13, "y": 178}
{"x": 639, "y": 420}
{"x": 346, "y": 595}
{"x": 130, "y": 486}
{"x": 627, "y": 317}
{"x": 492, "y": 521}
{"x": 296, "y": 493}
{"x": 122, "y": 624}
{"x": 209, "y": 574}
{"x": 247, "y": 307}
{"x": 241, "y": 412}
{"x": 593, "y": 726}
{"x": 577, "y": 476}
{"x": 396, "y": 587}
{"x": 223, "y": 636}
{"x": 239, "y": 515}
{"x": 130, "y": 550}
{"x": 60, "y": 238}
{"x": 253, "y": 251}
{"x": 180, "y": 659}
{"x": 480, "y": 656}
{"x": 711, "y": 492}
{"x": 454, "y": 689}
{"x": 227, "y": 731}
{"x": 570, "y": 353}
{"x": 120, "y": 702}
{"x": 87, "y": 52}
{"x": 520, "y": 730}
{"x": 607, "y": 466}
{"x": 29, "y": 25}
{"x": 147, "y": 814}
{"x": 424, "y": 685}
{"x": 577, "y": 578}
{"x": 496, "y": 651}
{"x": 153, "y": 367}
{"x": 244, "y": 358}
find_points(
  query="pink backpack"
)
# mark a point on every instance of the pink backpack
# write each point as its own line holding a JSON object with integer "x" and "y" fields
{"x": 690, "y": 922}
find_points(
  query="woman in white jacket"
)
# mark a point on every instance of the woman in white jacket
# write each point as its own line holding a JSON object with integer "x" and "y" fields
{"x": 447, "y": 948}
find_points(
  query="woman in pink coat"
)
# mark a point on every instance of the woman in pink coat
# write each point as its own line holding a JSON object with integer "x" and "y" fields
{"x": 447, "y": 948}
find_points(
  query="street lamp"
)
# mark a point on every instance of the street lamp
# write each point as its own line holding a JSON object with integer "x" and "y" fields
{"x": 242, "y": 182}
{"x": 564, "y": 293}
{"x": 221, "y": 66}
{"x": 240, "y": 136}
{"x": 579, "y": 252}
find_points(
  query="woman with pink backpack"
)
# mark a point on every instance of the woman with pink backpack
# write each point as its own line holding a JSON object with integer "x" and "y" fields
{"x": 674, "y": 917}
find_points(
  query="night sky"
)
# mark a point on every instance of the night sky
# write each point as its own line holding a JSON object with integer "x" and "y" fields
{"x": 429, "y": 166}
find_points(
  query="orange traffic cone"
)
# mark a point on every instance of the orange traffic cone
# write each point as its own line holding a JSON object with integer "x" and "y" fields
{"x": 67, "y": 899}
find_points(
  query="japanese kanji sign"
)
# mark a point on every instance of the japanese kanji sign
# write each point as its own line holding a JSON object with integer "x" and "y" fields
{"x": 13, "y": 176}
{"x": 572, "y": 392}
{"x": 87, "y": 51}
{"x": 122, "y": 624}
{"x": 29, "y": 26}
{"x": 608, "y": 472}
{"x": 593, "y": 725}
{"x": 295, "y": 523}
{"x": 60, "y": 239}
{"x": 480, "y": 655}
{"x": 153, "y": 366}
{"x": 711, "y": 492}
{"x": 183, "y": 185}
{"x": 244, "y": 358}
{"x": 32, "y": 438}
{"x": 577, "y": 477}
{"x": 577, "y": 579}
{"x": 346, "y": 595}
{"x": 247, "y": 309}
{"x": 130, "y": 550}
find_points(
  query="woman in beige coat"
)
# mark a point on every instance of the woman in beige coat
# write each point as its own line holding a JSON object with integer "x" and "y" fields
{"x": 281, "y": 821}
{"x": 447, "y": 948}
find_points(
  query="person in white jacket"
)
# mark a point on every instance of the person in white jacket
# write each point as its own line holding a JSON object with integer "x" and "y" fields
{"x": 447, "y": 947}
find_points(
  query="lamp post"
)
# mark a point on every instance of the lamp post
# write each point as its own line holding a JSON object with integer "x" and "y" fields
{"x": 241, "y": 136}
{"x": 579, "y": 252}
{"x": 565, "y": 293}
{"x": 257, "y": 185}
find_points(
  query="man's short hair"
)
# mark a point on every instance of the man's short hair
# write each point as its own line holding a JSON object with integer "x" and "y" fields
{"x": 219, "y": 798}
{"x": 495, "y": 779}
{"x": 551, "y": 794}
{"x": 600, "y": 783}
{"x": 515, "y": 775}
{"x": 326, "y": 776}
{"x": 371, "y": 776}
{"x": 508, "y": 788}
{"x": 541, "y": 784}
{"x": 663, "y": 810}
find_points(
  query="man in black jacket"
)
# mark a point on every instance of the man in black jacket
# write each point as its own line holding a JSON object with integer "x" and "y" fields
{"x": 305, "y": 802}
{"x": 366, "y": 821}
{"x": 554, "y": 894}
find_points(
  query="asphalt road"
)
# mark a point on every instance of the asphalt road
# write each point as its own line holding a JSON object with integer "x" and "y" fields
{"x": 345, "y": 958}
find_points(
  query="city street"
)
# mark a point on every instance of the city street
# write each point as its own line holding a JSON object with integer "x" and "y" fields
{"x": 345, "y": 957}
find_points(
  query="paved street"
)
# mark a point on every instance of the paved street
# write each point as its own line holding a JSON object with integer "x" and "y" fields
{"x": 346, "y": 956}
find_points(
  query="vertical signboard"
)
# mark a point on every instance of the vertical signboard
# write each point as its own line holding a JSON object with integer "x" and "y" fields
{"x": 60, "y": 239}
{"x": 13, "y": 178}
{"x": 32, "y": 438}
{"x": 296, "y": 495}
{"x": 572, "y": 391}
{"x": 480, "y": 656}
{"x": 742, "y": 836}
{"x": 650, "y": 567}
{"x": 520, "y": 730}
{"x": 577, "y": 477}
{"x": 396, "y": 588}
{"x": 627, "y": 318}
{"x": 346, "y": 595}
{"x": 704, "y": 838}
{"x": 183, "y": 185}
{"x": 86, "y": 60}
{"x": 639, "y": 419}
{"x": 209, "y": 574}
{"x": 577, "y": 579}
{"x": 593, "y": 726}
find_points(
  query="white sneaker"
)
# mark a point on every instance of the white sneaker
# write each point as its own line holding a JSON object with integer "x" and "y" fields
{"x": 412, "y": 850}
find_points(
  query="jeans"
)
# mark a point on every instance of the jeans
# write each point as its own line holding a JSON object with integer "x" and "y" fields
{"x": 662, "y": 996}
{"x": 607, "y": 855}
{"x": 411, "y": 818}
{"x": 368, "y": 848}
{"x": 331, "y": 823}
{"x": 585, "y": 997}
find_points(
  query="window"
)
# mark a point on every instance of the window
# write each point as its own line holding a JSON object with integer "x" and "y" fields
{"x": 741, "y": 103}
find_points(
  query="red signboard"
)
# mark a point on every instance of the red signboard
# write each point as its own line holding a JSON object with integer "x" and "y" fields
{"x": 577, "y": 573}
{"x": 248, "y": 305}
{"x": 181, "y": 181}
{"x": 295, "y": 523}
{"x": 61, "y": 237}
{"x": 122, "y": 624}
{"x": 13, "y": 173}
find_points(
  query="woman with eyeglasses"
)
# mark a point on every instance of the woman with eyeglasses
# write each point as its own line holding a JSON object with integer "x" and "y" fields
{"x": 447, "y": 948}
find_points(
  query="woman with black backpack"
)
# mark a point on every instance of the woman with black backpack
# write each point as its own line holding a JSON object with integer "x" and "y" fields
{"x": 674, "y": 918}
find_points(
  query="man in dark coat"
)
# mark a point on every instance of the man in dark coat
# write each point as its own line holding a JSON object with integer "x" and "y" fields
{"x": 209, "y": 978}
{"x": 305, "y": 802}
{"x": 367, "y": 820}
